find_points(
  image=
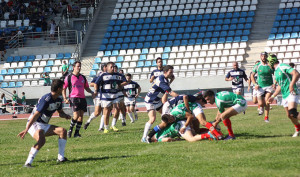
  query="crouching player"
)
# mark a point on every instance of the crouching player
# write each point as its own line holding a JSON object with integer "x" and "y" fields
{"x": 172, "y": 133}
{"x": 235, "y": 104}
{"x": 38, "y": 127}
{"x": 287, "y": 77}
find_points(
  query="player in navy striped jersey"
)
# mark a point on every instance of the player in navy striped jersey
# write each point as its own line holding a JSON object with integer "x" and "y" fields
{"x": 97, "y": 101}
{"x": 131, "y": 92}
{"x": 37, "y": 124}
{"x": 236, "y": 75}
{"x": 108, "y": 84}
{"x": 153, "y": 102}
{"x": 157, "y": 72}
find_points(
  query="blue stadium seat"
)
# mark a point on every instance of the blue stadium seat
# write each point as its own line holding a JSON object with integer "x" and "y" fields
{"x": 47, "y": 69}
{"x": 178, "y": 36}
{"x": 226, "y": 27}
{"x": 155, "y": 20}
{"x": 154, "y": 63}
{"x": 213, "y": 16}
{"x": 204, "y": 23}
{"x": 129, "y": 33}
{"x": 197, "y": 23}
{"x": 4, "y": 85}
{"x": 212, "y": 22}
{"x": 119, "y": 40}
{"x": 192, "y": 36}
{"x": 278, "y": 17}
{"x": 206, "y": 41}
{"x": 165, "y": 56}
{"x": 143, "y": 57}
{"x": 141, "y": 45}
{"x": 153, "y": 26}
{"x": 244, "y": 39}
{"x": 176, "y": 43}
{"x": 167, "y": 49}
{"x": 180, "y": 30}
{"x": 210, "y": 28}
{"x": 50, "y": 63}
{"x": 176, "y": 19}
{"x": 140, "y": 20}
{"x": 145, "y": 51}
{"x": 148, "y": 64}
{"x": 71, "y": 61}
{"x": 146, "y": 26}
{"x": 186, "y": 36}
{"x": 155, "y": 37}
{"x": 124, "y": 46}
{"x": 24, "y": 58}
{"x": 276, "y": 24}
{"x": 113, "y": 34}
{"x": 105, "y": 41}
{"x": 199, "y": 41}
{"x": 95, "y": 67}
{"x": 17, "y": 59}
{"x": 109, "y": 29}
{"x": 289, "y": 29}
{"x": 158, "y": 31}
{"x": 184, "y": 18}
{"x": 168, "y": 25}
{"x": 68, "y": 55}
{"x": 246, "y": 32}
{"x": 117, "y": 47}
{"x": 131, "y": 46}
{"x": 273, "y": 30}
{"x": 60, "y": 56}
{"x": 230, "y": 33}
{"x": 133, "y": 21}
{"x": 283, "y": 23}
{"x": 131, "y": 27}
{"x": 150, "y": 38}
{"x": 242, "y": 20}
{"x": 285, "y": 17}
{"x": 126, "y": 22}
{"x": 117, "y": 28}
{"x": 3, "y": 72}
{"x": 175, "y": 25}
{"x": 160, "y": 25}
{"x": 112, "y": 22}
{"x": 134, "y": 39}
{"x": 148, "y": 20}
{"x": 236, "y": 15}
{"x": 169, "y": 43}
{"x": 10, "y": 59}
{"x": 201, "y": 35}
{"x": 97, "y": 60}
{"x": 109, "y": 47}
{"x": 223, "y": 34}
{"x": 162, "y": 19}
{"x": 208, "y": 34}
{"x": 281, "y": 30}
{"x": 122, "y": 34}
{"x": 286, "y": 35}
{"x": 227, "y": 21}
{"x": 229, "y": 39}
{"x": 251, "y": 13}
{"x": 234, "y": 20}
{"x": 11, "y": 85}
{"x": 287, "y": 11}
{"x": 10, "y": 71}
{"x": 294, "y": 35}
{"x": 19, "y": 84}
{"x": 293, "y": 17}
{"x": 124, "y": 28}
{"x": 119, "y": 22}
{"x": 28, "y": 64}
{"x": 107, "y": 35}
{"x": 120, "y": 59}
{"x": 271, "y": 37}
{"x": 140, "y": 64}
{"x": 238, "y": 33}
{"x": 232, "y": 27}
{"x": 151, "y": 32}
{"x": 102, "y": 47}
{"x": 214, "y": 40}
{"x": 31, "y": 58}
{"x": 1, "y": 78}
{"x": 297, "y": 23}
{"x": 228, "y": 15}
{"x": 199, "y": 17}
{"x": 295, "y": 10}
{"x": 115, "y": 53}
{"x": 195, "y": 29}
{"x": 107, "y": 53}
{"x": 119, "y": 65}
{"x": 112, "y": 40}
{"x": 202, "y": 28}
{"x": 126, "y": 40}
{"x": 154, "y": 44}
{"x": 216, "y": 34}
{"x": 218, "y": 28}
{"x": 161, "y": 44}
{"x": 171, "y": 37}
{"x": 206, "y": 17}
{"x": 248, "y": 26}
{"x": 170, "y": 19}
{"x": 280, "y": 11}
{"x": 237, "y": 39}
{"x": 92, "y": 73}
{"x": 192, "y": 17}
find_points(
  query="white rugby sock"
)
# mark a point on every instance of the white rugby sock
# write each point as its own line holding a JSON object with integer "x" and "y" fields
{"x": 31, "y": 155}
{"x": 61, "y": 149}
{"x": 131, "y": 116}
{"x": 92, "y": 116}
{"x": 135, "y": 115}
{"x": 101, "y": 123}
{"x": 146, "y": 130}
{"x": 106, "y": 127}
{"x": 123, "y": 118}
{"x": 114, "y": 122}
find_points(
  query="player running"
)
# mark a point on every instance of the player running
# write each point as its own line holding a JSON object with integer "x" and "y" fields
{"x": 153, "y": 103}
{"x": 287, "y": 77}
{"x": 97, "y": 101}
{"x": 236, "y": 75}
{"x": 38, "y": 127}
{"x": 235, "y": 104}
{"x": 131, "y": 92}
{"x": 263, "y": 84}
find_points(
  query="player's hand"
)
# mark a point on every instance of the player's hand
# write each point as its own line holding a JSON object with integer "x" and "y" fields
{"x": 274, "y": 86}
{"x": 249, "y": 89}
{"x": 182, "y": 130}
{"x": 292, "y": 91}
{"x": 67, "y": 101}
{"x": 270, "y": 100}
{"x": 231, "y": 78}
{"x": 22, "y": 134}
{"x": 256, "y": 87}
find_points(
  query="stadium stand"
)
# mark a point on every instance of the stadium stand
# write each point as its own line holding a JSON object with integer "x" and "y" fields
{"x": 284, "y": 39}
{"x": 199, "y": 38}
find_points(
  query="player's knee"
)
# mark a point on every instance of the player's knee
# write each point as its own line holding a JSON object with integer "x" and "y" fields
{"x": 63, "y": 133}
{"x": 293, "y": 113}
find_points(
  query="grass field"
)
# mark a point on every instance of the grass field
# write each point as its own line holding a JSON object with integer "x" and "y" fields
{"x": 261, "y": 149}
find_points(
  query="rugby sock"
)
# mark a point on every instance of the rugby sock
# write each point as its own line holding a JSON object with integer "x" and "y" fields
{"x": 73, "y": 122}
{"x": 153, "y": 131}
{"x": 113, "y": 122}
{"x": 131, "y": 116}
{"x": 106, "y": 127}
{"x": 146, "y": 130}
{"x": 123, "y": 118}
{"x": 61, "y": 149}
{"x": 101, "y": 123}
{"x": 91, "y": 118}
{"x": 227, "y": 123}
{"x": 266, "y": 118}
{"x": 297, "y": 127}
{"x": 214, "y": 131}
{"x": 78, "y": 126}
{"x": 31, "y": 155}
{"x": 205, "y": 136}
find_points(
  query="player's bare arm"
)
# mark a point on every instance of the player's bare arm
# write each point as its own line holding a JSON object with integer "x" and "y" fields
{"x": 189, "y": 118}
{"x": 62, "y": 114}
{"x": 139, "y": 91}
{"x": 64, "y": 94}
{"x": 277, "y": 91}
{"x": 295, "y": 78}
{"x": 186, "y": 103}
{"x": 151, "y": 79}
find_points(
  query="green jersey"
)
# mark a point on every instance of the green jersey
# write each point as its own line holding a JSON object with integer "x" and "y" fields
{"x": 23, "y": 99}
{"x": 179, "y": 111}
{"x": 264, "y": 74}
{"x": 64, "y": 67}
{"x": 14, "y": 97}
{"x": 283, "y": 77}
{"x": 227, "y": 99}
{"x": 171, "y": 131}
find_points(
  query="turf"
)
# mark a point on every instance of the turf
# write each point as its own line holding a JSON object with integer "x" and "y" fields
{"x": 261, "y": 149}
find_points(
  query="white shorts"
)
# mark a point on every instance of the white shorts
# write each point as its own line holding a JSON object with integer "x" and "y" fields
{"x": 262, "y": 90}
{"x": 238, "y": 108}
{"x": 38, "y": 126}
{"x": 289, "y": 99}
{"x": 151, "y": 106}
{"x": 166, "y": 109}
{"x": 97, "y": 101}
{"x": 105, "y": 103}
{"x": 254, "y": 92}
{"x": 236, "y": 90}
{"x": 129, "y": 101}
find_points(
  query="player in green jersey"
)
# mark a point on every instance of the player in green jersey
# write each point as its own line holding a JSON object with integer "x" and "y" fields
{"x": 286, "y": 77}
{"x": 235, "y": 104}
{"x": 264, "y": 84}
{"x": 172, "y": 132}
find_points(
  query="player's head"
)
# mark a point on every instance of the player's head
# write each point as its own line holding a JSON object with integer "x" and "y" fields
{"x": 263, "y": 56}
{"x": 292, "y": 65}
{"x": 2, "y": 95}
{"x": 168, "y": 71}
{"x": 235, "y": 65}
{"x": 110, "y": 67}
{"x": 272, "y": 59}
{"x": 103, "y": 67}
{"x": 200, "y": 98}
{"x": 14, "y": 91}
{"x": 57, "y": 86}
{"x": 77, "y": 66}
{"x": 168, "y": 118}
{"x": 65, "y": 62}
{"x": 23, "y": 93}
{"x": 209, "y": 96}
{"x": 128, "y": 77}
{"x": 159, "y": 62}
{"x": 115, "y": 68}
{"x": 121, "y": 71}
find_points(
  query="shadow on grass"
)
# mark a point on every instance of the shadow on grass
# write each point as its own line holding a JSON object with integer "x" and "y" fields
{"x": 253, "y": 136}
{"x": 73, "y": 160}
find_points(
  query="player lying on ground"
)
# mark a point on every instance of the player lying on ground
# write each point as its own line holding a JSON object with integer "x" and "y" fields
{"x": 38, "y": 127}
{"x": 287, "y": 77}
{"x": 235, "y": 104}
{"x": 180, "y": 113}
{"x": 172, "y": 133}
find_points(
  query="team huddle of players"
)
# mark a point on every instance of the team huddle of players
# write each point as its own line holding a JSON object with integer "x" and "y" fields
{"x": 181, "y": 116}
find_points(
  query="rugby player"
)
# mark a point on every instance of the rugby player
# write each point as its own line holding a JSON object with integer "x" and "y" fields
{"x": 287, "y": 77}
{"x": 254, "y": 91}
{"x": 37, "y": 125}
{"x": 235, "y": 104}
{"x": 236, "y": 75}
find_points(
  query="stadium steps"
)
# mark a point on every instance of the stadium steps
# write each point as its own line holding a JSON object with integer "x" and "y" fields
{"x": 263, "y": 22}
{"x": 86, "y": 65}
{"x": 99, "y": 28}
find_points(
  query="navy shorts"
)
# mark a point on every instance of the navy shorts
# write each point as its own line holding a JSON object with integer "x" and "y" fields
{"x": 78, "y": 104}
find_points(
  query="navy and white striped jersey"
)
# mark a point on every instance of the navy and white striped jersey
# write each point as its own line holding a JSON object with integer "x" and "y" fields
{"x": 47, "y": 106}
{"x": 94, "y": 80}
{"x": 131, "y": 89}
{"x": 179, "y": 99}
{"x": 159, "y": 87}
{"x": 120, "y": 92}
{"x": 156, "y": 73}
{"x": 109, "y": 85}
{"x": 238, "y": 76}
